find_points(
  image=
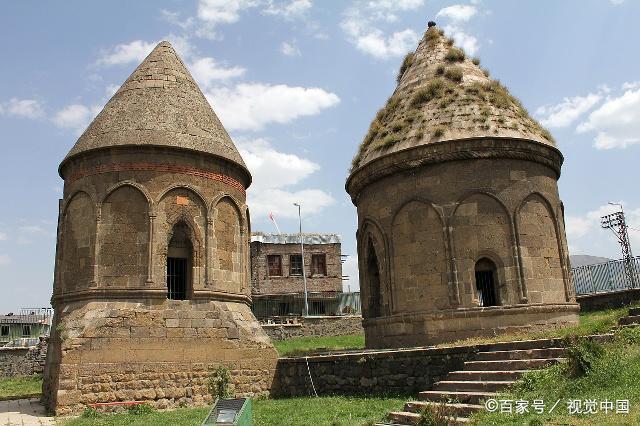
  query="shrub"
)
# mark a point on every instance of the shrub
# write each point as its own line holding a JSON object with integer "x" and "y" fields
{"x": 455, "y": 55}
{"x": 436, "y": 415}
{"x": 432, "y": 35}
{"x": 396, "y": 126}
{"x": 90, "y": 413}
{"x": 438, "y": 132}
{"x": 582, "y": 355}
{"x": 454, "y": 74}
{"x": 476, "y": 60}
{"x": 140, "y": 409}
{"x": 406, "y": 63}
{"x": 440, "y": 70}
{"x": 218, "y": 382}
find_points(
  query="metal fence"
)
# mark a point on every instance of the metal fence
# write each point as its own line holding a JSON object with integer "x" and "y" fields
{"x": 320, "y": 304}
{"x": 604, "y": 277}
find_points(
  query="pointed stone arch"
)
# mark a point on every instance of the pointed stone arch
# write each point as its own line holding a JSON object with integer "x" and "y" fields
{"x": 123, "y": 237}
{"x": 541, "y": 250}
{"x": 481, "y": 224}
{"x": 375, "y": 289}
{"x": 229, "y": 233}
{"x": 419, "y": 258}
{"x": 76, "y": 241}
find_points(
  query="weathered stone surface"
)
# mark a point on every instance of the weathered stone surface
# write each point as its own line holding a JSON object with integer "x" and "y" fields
{"x": 315, "y": 326}
{"x": 16, "y": 362}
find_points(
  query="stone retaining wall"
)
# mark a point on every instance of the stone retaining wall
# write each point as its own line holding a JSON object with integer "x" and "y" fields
{"x": 399, "y": 371}
{"x": 316, "y": 326}
{"x": 608, "y": 300}
{"x": 16, "y": 362}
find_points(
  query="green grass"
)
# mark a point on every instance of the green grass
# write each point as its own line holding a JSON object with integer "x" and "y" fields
{"x": 337, "y": 410}
{"x": 313, "y": 344}
{"x": 612, "y": 376}
{"x": 20, "y": 387}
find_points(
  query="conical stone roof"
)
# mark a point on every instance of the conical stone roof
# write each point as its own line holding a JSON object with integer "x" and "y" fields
{"x": 441, "y": 96}
{"x": 159, "y": 105}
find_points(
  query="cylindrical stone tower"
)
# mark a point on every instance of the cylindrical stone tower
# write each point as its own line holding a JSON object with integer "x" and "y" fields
{"x": 460, "y": 225}
{"x": 151, "y": 286}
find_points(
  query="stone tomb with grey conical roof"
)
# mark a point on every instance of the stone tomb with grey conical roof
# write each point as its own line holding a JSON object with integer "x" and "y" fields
{"x": 151, "y": 287}
{"x": 460, "y": 224}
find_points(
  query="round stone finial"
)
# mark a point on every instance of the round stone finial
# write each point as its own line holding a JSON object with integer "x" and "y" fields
{"x": 431, "y": 24}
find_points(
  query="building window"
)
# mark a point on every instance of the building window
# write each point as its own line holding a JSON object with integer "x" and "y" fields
{"x": 179, "y": 261}
{"x": 319, "y": 264}
{"x": 4, "y": 331}
{"x": 274, "y": 262}
{"x": 295, "y": 264}
{"x": 26, "y": 330}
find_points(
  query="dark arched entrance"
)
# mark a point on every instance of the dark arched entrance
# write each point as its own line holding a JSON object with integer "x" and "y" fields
{"x": 486, "y": 283}
{"x": 179, "y": 262}
{"x": 373, "y": 276}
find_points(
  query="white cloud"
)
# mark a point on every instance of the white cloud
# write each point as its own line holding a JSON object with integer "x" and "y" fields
{"x": 75, "y": 117}
{"x": 289, "y": 49}
{"x": 3, "y": 236}
{"x": 126, "y": 53}
{"x": 280, "y": 202}
{"x": 616, "y": 2}
{"x": 631, "y": 85}
{"x": 462, "y": 39}
{"x": 4, "y": 259}
{"x": 567, "y": 111}
{"x": 223, "y": 11}
{"x": 458, "y": 12}
{"x": 23, "y": 108}
{"x": 251, "y": 106}
{"x": 272, "y": 169}
{"x": 616, "y": 121}
{"x": 361, "y": 27}
{"x": 206, "y": 70}
{"x": 288, "y": 10}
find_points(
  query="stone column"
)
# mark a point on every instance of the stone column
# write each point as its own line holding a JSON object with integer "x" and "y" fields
{"x": 152, "y": 217}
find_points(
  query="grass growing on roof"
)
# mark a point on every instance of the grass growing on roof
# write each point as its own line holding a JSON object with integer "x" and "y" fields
{"x": 20, "y": 387}
{"x": 454, "y": 74}
{"x": 455, "y": 55}
{"x": 406, "y": 63}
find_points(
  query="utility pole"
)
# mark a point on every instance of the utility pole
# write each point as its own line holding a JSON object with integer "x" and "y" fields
{"x": 304, "y": 274}
{"x": 616, "y": 222}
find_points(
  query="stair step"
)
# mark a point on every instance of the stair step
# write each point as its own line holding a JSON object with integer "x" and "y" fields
{"x": 509, "y": 365}
{"x": 457, "y": 409}
{"x": 521, "y": 345}
{"x": 631, "y": 319}
{"x": 634, "y": 311}
{"x": 460, "y": 385}
{"x": 467, "y": 375}
{"x": 459, "y": 396}
{"x": 407, "y": 418}
{"x": 520, "y": 354}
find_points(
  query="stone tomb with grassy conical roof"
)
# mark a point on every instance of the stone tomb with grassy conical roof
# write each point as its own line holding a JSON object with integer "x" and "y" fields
{"x": 151, "y": 286}
{"x": 460, "y": 225}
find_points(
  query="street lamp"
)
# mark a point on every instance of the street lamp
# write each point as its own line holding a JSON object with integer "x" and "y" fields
{"x": 304, "y": 275}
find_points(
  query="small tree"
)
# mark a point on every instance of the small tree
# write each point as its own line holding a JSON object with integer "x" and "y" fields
{"x": 218, "y": 382}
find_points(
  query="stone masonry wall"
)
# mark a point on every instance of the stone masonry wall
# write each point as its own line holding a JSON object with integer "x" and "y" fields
{"x": 15, "y": 362}
{"x": 315, "y": 326}
{"x": 262, "y": 283}
{"x": 368, "y": 372}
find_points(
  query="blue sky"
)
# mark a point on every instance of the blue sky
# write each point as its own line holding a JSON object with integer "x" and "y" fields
{"x": 296, "y": 83}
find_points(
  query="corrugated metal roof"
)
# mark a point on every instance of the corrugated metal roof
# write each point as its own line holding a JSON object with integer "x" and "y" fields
{"x": 295, "y": 238}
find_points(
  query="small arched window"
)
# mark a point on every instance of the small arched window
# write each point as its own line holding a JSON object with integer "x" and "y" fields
{"x": 179, "y": 263}
{"x": 486, "y": 283}
{"x": 373, "y": 276}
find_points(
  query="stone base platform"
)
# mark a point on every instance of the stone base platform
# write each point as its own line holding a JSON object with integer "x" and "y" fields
{"x": 159, "y": 352}
{"x": 429, "y": 328}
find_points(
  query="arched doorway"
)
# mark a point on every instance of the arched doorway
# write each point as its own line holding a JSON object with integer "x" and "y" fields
{"x": 179, "y": 262}
{"x": 486, "y": 283}
{"x": 373, "y": 276}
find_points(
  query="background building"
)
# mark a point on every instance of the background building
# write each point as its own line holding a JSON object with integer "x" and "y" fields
{"x": 276, "y": 273}
{"x": 30, "y": 323}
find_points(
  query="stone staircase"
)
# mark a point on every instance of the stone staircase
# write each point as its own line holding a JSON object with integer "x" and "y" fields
{"x": 494, "y": 368}
{"x": 631, "y": 320}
